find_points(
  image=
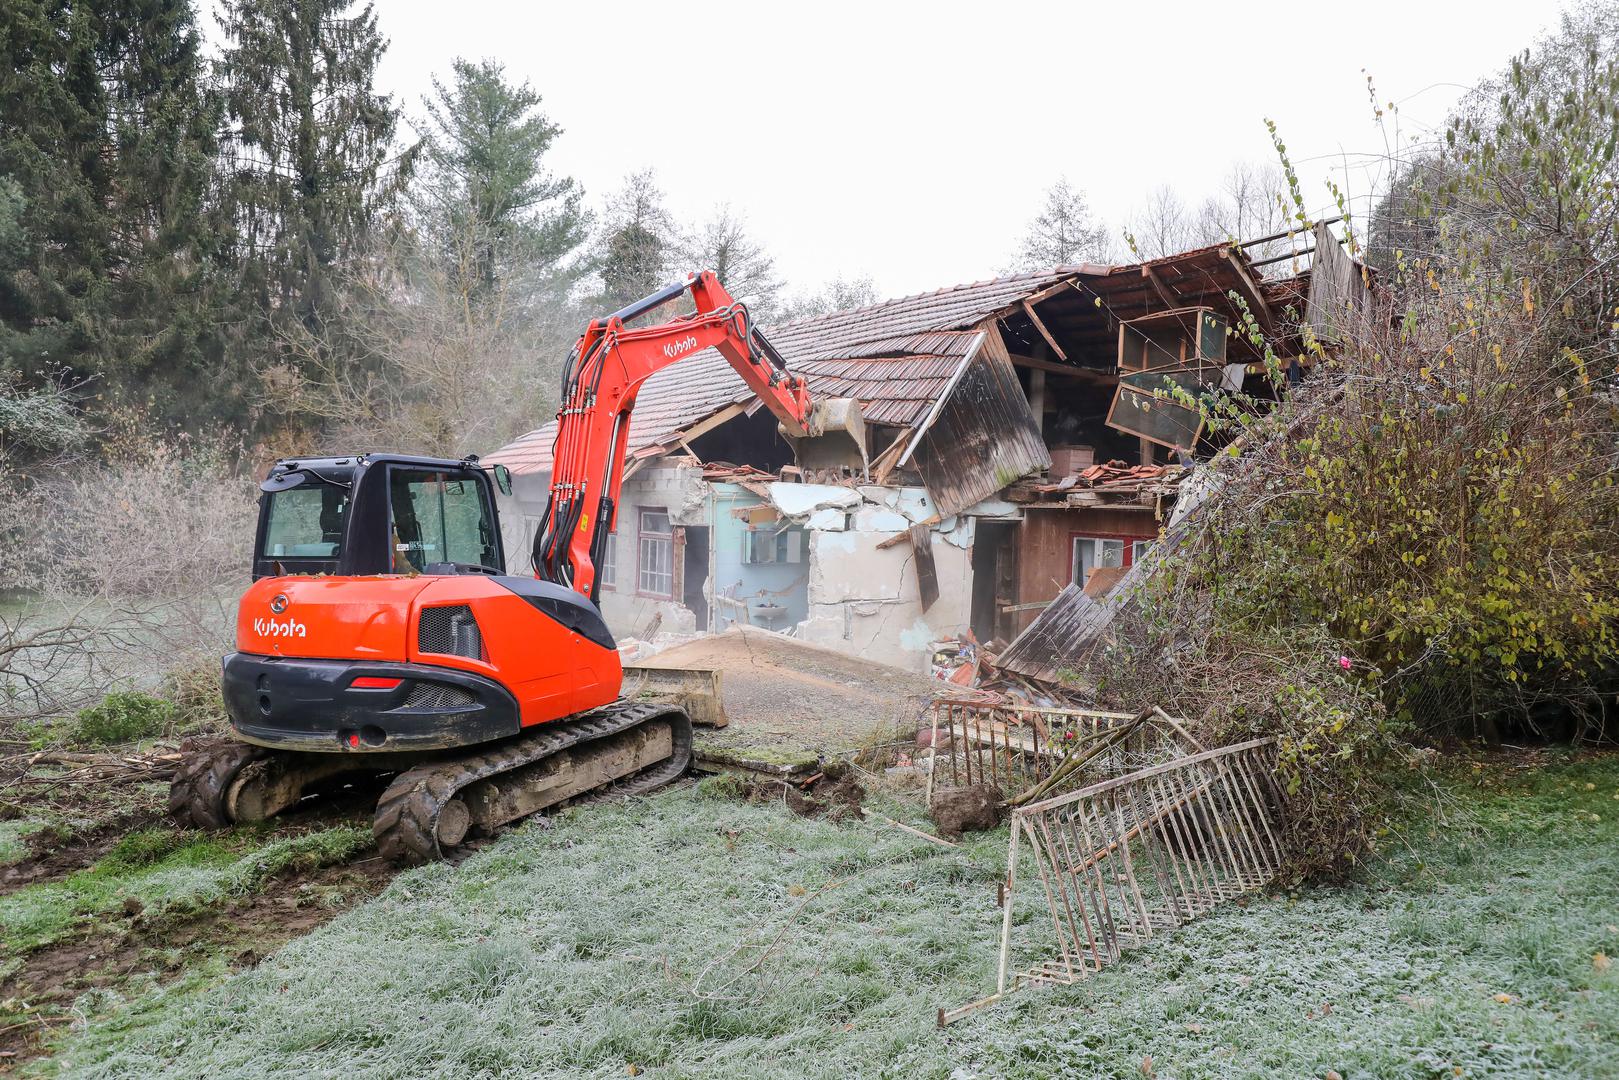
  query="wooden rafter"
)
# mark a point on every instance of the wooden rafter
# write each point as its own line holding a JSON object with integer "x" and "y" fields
{"x": 1028, "y": 309}
{"x": 1158, "y": 285}
{"x": 1261, "y": 309}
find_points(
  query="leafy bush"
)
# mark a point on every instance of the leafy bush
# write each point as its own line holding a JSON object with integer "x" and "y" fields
{"x": 122, "y": 717}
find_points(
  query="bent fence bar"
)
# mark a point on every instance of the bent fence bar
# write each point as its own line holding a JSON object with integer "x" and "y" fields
{"x": 1016, "y": 747}
{"x": 1137, "y": 855}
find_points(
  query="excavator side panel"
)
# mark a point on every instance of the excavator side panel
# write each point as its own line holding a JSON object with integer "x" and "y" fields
{"x": 384, "y": 664}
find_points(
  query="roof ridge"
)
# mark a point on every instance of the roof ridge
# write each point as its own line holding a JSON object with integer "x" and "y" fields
{"x": 1056, "y": 271}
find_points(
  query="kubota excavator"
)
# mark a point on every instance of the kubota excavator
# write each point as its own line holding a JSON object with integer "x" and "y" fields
{"x": 381, "y": 633}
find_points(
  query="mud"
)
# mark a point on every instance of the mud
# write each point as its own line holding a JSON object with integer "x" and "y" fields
{"x": 53, "y": 855}
{"x": 243, "y": 932}
{"x": 832, "y": 794}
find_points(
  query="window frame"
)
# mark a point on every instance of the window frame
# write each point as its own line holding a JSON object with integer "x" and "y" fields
{"x": 666, "y": 540}
{"x": 607, "y": 572}
{"x": 1129, "y": 540}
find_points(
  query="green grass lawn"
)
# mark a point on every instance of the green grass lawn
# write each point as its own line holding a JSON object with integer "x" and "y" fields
{"x": 680, "y": 936}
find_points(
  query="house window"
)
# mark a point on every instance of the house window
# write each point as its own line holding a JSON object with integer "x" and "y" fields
{"x": 1093, "y": 552}
{"x": 1138, "y": 550}
{"x": 607, "y": 572}
{"x": 656, "y": 571}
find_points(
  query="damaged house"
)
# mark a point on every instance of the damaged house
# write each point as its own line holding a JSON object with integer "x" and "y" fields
{"x": 1012, "y": 444}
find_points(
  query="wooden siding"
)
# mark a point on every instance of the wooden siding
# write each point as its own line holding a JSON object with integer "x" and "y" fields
{"x": 1045, "y": 547}
{"x": 984, "y": 436}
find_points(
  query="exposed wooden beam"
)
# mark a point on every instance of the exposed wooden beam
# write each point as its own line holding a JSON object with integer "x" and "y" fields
{"x": 1040, "y": 326}
{"x": 886, "y": 460}
{"x": 1158, "y": 285}
{"x": 704, "y": 426}
{"x": 1055, "y": 368}
{"x": 1049, "y": 290}
{"x": 1261, "y": 309}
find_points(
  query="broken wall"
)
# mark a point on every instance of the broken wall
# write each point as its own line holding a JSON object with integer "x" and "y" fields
{"x": 864, "y": 592}
{"x": 1045, "y": 557}
{"x": 746, "y": 589}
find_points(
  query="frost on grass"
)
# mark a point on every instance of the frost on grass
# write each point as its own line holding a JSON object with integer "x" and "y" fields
{"x": 169, "y": 873}
{"x": 690, "y": 937}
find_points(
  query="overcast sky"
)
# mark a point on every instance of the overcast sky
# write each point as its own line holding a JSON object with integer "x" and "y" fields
{"x": 913, "y": 142}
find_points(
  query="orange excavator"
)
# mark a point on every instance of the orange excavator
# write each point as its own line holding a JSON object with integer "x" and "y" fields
{"x": 381, "y": 633}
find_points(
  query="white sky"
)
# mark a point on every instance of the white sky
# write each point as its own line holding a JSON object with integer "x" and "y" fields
{"x": 912, "y": 142}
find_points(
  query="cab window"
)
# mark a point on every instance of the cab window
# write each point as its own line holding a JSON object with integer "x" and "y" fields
{"x": 439, "y": 517}
{"x": 305, "y": 522}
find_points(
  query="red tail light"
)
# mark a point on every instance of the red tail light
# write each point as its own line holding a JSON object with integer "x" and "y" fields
{"x": 369, "y": 682}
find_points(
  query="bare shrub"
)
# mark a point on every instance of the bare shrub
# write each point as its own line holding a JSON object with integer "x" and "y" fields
{"x": 119, "y": 573}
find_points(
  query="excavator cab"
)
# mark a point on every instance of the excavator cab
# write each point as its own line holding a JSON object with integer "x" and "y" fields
{"x": 377, "y": 514}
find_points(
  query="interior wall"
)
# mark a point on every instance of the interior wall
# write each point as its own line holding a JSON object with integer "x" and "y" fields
{"x": 1045, "y": 547}
{"x": 736, "y": 582}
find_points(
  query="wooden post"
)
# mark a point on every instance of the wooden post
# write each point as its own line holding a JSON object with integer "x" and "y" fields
{"x": 1006, "y": 912}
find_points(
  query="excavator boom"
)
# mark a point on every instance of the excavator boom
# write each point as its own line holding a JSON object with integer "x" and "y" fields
{"x": 604, "y": 373}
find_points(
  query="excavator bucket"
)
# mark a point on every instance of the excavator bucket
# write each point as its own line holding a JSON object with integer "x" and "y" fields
{"x": 695, "y": 689}
{"x": 837, "y": 436}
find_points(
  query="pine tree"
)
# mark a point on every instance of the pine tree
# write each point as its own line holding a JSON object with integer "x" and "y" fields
{"x": 487, "y": 202}
{"x": 308, "y": 139}
{"x": 51, "y": 149}
{"x": 1065, "y": 232}
{"x": 636, "y": 248}
{"x": 108, "y": 146}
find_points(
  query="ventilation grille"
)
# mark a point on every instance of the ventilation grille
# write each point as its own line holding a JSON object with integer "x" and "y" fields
{"x": 450, "y": 630}
{"x": 437, "y": 695}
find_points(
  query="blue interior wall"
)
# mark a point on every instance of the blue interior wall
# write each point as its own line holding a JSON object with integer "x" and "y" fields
{"x": 786, "y": 583}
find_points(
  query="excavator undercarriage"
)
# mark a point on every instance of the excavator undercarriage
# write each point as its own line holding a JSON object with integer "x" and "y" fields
{"x": 434, "y": 801}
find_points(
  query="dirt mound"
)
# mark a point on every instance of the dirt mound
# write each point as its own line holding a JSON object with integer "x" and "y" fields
{"x": 780, "y": 691}
{"x": 833, "y": 794}
{"x": 966, "y": 809}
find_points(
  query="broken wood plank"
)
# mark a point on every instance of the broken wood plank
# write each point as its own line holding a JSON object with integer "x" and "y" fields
{"x": 927, "y": 576}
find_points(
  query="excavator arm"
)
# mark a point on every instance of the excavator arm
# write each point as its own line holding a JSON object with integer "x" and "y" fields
{"x": 602, "y": 377}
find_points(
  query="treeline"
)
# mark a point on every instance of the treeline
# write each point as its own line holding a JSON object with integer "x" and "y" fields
{"x": 260, "y": 242}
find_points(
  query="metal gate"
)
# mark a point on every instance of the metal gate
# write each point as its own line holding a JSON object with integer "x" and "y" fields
{"x": 1137, "y": 855}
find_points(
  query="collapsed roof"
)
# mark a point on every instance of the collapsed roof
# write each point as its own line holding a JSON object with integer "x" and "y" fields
{"x": 904, "y": 359}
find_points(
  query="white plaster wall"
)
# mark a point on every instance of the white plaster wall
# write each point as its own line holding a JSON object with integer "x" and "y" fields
{"x": 678, "y": 489}
{"x": 865, "y": 600}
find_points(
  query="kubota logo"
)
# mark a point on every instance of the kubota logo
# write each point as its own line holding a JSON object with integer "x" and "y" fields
{"x": 684, "y": 345}
{"x": 280, "y": 628}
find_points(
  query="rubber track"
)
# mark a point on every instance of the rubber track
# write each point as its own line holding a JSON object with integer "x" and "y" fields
{"x": 197, "y": 793}
{"x": 406, "y": 824}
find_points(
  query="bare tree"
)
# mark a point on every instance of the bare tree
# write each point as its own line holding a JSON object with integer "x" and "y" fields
{"x": 118, "y": 574}
{"x": 839, "y": 294}
{"x": 1163, "y": 226}
{"x": 722, "y": 244}
{"x": 1064, "y": 233}
{"x": 1252, "y": 202}
{"x": 438, "y": 359}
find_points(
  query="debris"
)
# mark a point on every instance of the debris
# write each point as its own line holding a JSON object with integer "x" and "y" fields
{"x": 956, "y": 810}
{"x": 914, "y": 832}
{"x": 1138, "y": 855}
{"x": 791, "y": 704}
